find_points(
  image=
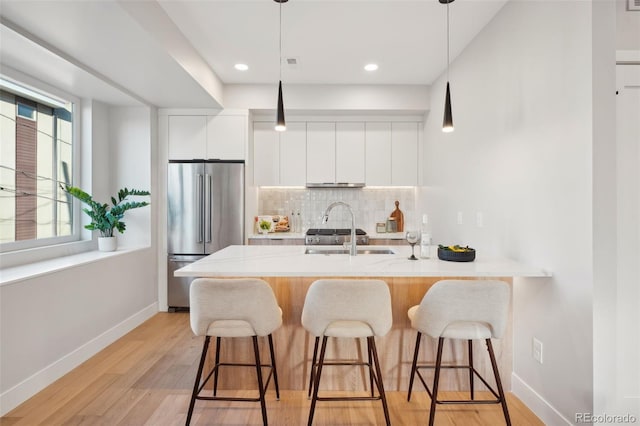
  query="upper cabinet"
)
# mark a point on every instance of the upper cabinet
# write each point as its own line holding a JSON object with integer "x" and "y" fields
{"x": 376, "y": 153}
{"x": 335, "y": 152}
{"x": 279, "y": 157}
{"x": 187, "y": 137}
{"x": 226, "y": 137}
{"x": 293, "y": 154}
{"x": 350, "y": 152}
{"x": 222, "y": 136}
{"x": 404, "y": 154}
{"x": 321, "y": 152}
{"x": 266, "y": 154}
{"x": 392, "y": 153}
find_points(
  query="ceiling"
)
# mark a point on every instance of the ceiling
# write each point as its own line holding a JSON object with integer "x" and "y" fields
{"x": 154, "y": 57}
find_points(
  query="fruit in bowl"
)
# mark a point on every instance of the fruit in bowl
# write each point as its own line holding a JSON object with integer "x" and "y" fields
{"x": 456, "y": 248}
{"x": 456, "y": 253}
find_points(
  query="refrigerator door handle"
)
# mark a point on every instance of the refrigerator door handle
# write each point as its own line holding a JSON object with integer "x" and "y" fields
{"x": 207, "y": 214}
{"x": 200, "y": 208}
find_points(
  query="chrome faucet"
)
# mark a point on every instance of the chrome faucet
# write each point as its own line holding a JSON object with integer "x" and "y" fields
{"x": 353, "y": 250}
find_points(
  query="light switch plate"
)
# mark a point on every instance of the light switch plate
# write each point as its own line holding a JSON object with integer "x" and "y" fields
{"x": 537, "y": 350}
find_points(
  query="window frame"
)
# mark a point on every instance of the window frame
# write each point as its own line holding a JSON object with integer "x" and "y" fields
{"x": 19, "y": 104}
{"x": 45, "y": 89}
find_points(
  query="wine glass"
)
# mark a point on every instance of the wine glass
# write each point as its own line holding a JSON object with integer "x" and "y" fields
{"x": 413, "y": 237}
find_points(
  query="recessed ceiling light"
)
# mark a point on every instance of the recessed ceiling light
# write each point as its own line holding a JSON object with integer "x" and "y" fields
{"x": 241, "y": 67}
{"x": 371, "y": 67}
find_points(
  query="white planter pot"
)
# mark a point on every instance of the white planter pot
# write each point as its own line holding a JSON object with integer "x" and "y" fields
{"x": 107, "y": 243}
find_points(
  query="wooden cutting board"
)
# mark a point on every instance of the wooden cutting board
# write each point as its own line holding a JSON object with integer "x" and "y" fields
{"x": 399, "y": 217}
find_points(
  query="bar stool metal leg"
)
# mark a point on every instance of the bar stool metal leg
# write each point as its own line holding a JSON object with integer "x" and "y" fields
{"x": 273, "y": 367}
{"x": 313, "y": 366}
{"x": 196, "y": 385}
{"x": 215, "y": 374}
{"x": 471, "y": 367}
{"x": 414, "y": 365}
{"x": 383, "y": 397}
{"x": 370, "y": 367}
{"x": 494, "y": 365}
{"x": 263, "y": 404}
{"x": 316, "y": 384}
{"x": 436, "y": 378}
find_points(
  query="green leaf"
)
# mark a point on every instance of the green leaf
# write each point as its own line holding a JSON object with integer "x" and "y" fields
{"x": 102, "y": 218}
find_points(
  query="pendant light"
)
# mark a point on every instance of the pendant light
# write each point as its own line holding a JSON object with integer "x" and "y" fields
{"x": 447, "y": 122}
{"x": 280, "y": 123}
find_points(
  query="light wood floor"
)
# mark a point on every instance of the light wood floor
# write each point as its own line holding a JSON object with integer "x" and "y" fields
{"x": 146, "y": 377}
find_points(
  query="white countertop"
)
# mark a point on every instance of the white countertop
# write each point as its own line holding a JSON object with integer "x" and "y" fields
{"x": 277, "y": 235}
{"x": 286, "y": 235}
{"x": 387, "y": 235}
{"x": 290, "y": 261}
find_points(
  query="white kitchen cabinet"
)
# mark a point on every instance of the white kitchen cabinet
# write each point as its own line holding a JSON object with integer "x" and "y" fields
{"x": 293, "y": 154}
{"x": 266, "y": 154}
{"x": 378, "y": 153}
{"x": 279, "y": 158}
{"x": 221, "y": 136}
{"x": 226, "y": 137}
{"x": 187, "y": 137}
{"x": 321, "y": 152}
{"x": 404, "y": 153}
{"x": 350, "y": 152}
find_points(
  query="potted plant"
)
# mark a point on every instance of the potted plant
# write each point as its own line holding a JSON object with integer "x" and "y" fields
{"x": 105, "y": 218}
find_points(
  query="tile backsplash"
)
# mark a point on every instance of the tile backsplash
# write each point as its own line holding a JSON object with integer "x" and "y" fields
{"x": 369, "y": 205}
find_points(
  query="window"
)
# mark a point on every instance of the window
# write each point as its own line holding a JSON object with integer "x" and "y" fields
{"x": 36, "y": 156}
{"x": 26, "y": 111}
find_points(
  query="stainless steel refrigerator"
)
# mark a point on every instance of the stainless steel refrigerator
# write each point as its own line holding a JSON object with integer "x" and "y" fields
{"x": 205, "y": 213}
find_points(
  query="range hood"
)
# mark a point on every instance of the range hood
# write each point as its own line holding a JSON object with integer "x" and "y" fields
{"x": 335, "y": 185}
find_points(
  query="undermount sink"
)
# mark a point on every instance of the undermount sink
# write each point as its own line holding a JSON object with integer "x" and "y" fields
{"x": 346, "y": 251}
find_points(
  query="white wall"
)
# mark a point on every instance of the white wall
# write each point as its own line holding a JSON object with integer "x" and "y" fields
{"x": 335, "y": 98}
{"x": 521, "y": 155}
{"x": 50, "y": 323}
{"x": 130, "y": 136}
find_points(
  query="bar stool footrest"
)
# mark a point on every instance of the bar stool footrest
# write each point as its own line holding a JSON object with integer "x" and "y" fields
{"x": 469, "y": 401}
{"x": 349, "y": 398}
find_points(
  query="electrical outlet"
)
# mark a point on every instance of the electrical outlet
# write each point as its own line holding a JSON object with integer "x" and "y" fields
{"x": 459, "y": 218}
{"x": 479, "y": 219}
{"x": 536, "y": 350}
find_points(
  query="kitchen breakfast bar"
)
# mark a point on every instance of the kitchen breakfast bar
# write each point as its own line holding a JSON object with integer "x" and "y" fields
{"x": 290, "y": 272}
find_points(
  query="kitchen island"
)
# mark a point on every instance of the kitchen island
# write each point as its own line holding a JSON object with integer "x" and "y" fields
{"x": 290, "y": 272}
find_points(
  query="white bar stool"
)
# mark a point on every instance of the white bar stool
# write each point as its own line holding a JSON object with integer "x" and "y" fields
{"x": 352, "y": 309}
{"x": 233, "y": 308}
{"x": 461, "y": 309}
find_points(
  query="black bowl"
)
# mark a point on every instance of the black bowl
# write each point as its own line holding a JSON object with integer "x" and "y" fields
{"x": 456, "y": 256}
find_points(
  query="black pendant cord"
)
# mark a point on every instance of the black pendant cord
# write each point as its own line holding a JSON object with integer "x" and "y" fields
{"x": 448, "y": 61}
{"x": 447, "y": 122}
{"x": 280, "y": 120}
{"x": 280, "y": 45}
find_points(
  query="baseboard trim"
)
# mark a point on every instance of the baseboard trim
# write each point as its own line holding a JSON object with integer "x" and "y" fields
{"x": 540, "y": 407}
{"x": 43, "y": 378}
